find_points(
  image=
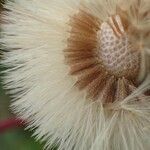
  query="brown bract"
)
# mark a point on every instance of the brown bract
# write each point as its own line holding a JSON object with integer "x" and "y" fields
{"x": 102, "y": 57}
{"x": 105, "y": 57}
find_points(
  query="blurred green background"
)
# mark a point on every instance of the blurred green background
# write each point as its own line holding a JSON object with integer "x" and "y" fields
{"x": 15, "y": 138}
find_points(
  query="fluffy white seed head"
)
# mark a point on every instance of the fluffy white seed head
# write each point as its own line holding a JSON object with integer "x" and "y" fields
{"x": 78, "y": 71}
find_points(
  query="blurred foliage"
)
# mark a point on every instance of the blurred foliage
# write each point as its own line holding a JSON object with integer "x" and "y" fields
{"x": 18, "y": 139}
{"x": 4, "y": 104}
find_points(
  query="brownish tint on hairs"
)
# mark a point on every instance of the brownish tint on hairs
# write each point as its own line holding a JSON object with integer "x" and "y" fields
{"x": 82, "y": 57}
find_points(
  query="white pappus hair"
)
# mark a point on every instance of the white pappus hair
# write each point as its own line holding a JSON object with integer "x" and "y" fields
{"x": 78, "y": 71}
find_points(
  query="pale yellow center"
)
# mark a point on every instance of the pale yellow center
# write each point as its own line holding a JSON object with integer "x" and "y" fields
{"x": 116, "y": 51}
